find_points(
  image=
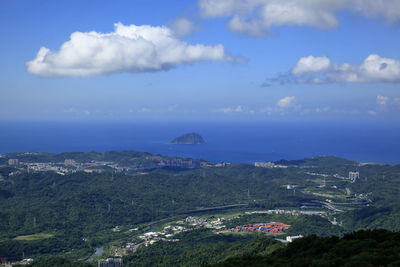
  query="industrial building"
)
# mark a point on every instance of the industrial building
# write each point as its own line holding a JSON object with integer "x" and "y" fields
{"x": 110, "y": 262}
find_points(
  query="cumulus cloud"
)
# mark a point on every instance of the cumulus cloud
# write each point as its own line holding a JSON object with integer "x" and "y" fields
{"x": 247, "y": 27}
{"x": 311, "y": 64}
{"x": 286, "y": 102}
{"x": 255, "y": 17}
{"x": 322, "y": 70}
{"x": 128, "y": 49}
{"x": 215, "y": 8}
{"x": 238, "y": 109}
{"x": 283, "y": 106}
{"x": 182, "y": 27}
{"x": 387, "y": 9}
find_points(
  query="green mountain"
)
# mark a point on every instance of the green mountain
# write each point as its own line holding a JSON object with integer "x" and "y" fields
{"x": 362, "y": 248}
{"x": 69, "y": 204}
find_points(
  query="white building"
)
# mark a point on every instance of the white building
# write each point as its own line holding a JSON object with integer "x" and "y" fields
{"x": 264, "y": 164}
{"x": 13, "y": 161}
{"x": 291, "y": 238}
{"x": 110, "y": 262}
{"x": 69, "y": 162}
{"x": 354, "y": 176}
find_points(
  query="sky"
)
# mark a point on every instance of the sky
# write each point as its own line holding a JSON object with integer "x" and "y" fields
{"x": 204, "y": 60}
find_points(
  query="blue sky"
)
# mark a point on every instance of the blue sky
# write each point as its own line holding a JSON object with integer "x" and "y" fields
{"x": 224, "y": 60}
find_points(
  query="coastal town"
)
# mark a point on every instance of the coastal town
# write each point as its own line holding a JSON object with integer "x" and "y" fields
{"x": 68, "y": 166}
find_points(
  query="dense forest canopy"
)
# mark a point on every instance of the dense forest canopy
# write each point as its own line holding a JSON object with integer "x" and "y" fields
{"x": 47, "y": 212}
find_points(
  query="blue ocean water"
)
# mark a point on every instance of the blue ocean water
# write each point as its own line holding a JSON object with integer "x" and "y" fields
{"x": 242, "y": 142}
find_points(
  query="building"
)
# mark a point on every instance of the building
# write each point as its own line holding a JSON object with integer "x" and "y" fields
{"x": 13, "y": 161}
{"x": 69, "y": 162}
{"x": 354, "y": 176}
{"x": 110, "y": 262}
{"x": 268, "y": 164}
{"x": 291, "y": 238}
{"x": 264, "y": 164}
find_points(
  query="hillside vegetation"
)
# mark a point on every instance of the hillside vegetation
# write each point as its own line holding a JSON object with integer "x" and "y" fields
{"x": 73, "y": 213}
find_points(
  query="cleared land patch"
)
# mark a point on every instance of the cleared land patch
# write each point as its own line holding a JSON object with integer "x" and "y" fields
{"x": 34, "y": 237}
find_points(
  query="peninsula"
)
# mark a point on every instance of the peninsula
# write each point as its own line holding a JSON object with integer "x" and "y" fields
{"x": 188, "y": 139}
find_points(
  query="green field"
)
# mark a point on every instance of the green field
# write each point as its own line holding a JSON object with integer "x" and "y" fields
{"x": 34, "y": 237}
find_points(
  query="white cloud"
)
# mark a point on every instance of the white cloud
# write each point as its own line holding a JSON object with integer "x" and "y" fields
{"x": 251, "y": 27}
{"x": 74, "y": 111}
{"x": 172, "y": 108}
{"x": 286, "y": 102}
{"x": 382, "y": 100}
{"x": 284, "y": 106}
{"x": 128, "y": 49}
{"x": 238, "y": 109}
{"x": 182, "y": 27}
{"x": 385, "y": 104}
{"x": 303, "y": 13}
{"x": 255, "y": 17}
{"x": 70, "y": 110}
{"x": 215, "y": 8}
{"x": 144, "y": 110}
{"x": 387, "y": 9}
{"x": 321, "y": 70}
{"x": 321, "y": 110}
{"x": 311, "y": 64}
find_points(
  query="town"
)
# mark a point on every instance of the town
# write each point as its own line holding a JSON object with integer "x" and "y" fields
{"x": 217, "y": 225}
{"x": 167, "y": 233}
{"x": 68, "y": 166}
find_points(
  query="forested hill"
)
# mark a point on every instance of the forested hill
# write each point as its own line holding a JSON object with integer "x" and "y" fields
{"x": 362, "y": 248}
{"x": 68, "y": 204}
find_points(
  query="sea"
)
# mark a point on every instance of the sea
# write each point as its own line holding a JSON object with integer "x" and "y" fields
{"x": 224, "y": 142}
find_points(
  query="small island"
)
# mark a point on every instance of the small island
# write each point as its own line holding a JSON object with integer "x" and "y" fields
{"x": 188, "y": 139}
